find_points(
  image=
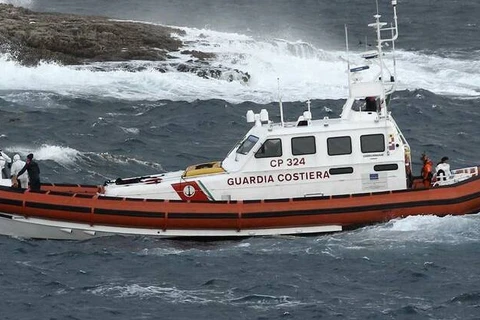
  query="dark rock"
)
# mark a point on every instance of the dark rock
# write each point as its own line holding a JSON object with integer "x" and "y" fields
{"x": 199, "y": 55}
{"x": 101, "y": 44}
{"x": 70, "y": 39}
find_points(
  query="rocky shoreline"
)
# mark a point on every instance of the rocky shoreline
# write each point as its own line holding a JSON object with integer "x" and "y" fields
{"x": 31, "y": 37}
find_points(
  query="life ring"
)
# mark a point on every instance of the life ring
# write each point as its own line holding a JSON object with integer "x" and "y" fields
{"x": 440, "y": 176}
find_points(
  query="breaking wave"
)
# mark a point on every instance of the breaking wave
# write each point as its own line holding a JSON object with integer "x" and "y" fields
{"x": 298, "y": 70}
{"x": 63, "y": 155}
{"x": 195, "y": 296}
{"x": 21, "y": 3}
{"x": 423, "y": 229}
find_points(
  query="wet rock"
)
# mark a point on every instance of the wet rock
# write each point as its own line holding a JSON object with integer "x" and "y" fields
{"x": 70, "y": 39}
{"x": 199, "y": 55}
{"x": 102, "y": 44}
{"x": 200, "y": 69}
{"x": 215, "y": 72}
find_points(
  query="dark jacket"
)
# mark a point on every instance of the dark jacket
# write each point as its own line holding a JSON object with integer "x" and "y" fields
{"x": 33, "y": 174}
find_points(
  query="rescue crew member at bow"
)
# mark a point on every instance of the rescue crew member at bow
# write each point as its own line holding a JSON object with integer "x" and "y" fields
{"x": 427, "y": 171}
{"x": 33, "y": 173}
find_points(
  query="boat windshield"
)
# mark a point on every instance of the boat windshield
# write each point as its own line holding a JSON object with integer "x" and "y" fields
{"x": 358, "y": 105}
{"x": 247, "y": 144}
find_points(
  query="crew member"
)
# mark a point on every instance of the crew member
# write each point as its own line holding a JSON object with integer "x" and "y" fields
{"x": 18, "y": 181}
{"x": 442, "y": 170}
{"x": 427, "y": 169}
{"x": 370, "y": 104}
{"x": 33, "y": 172}
{"x": 5, "y": 163}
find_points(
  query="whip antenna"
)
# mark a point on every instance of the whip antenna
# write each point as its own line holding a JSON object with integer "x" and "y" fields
{"x": 348, "y": 61}
{"x": 280, "y": 105}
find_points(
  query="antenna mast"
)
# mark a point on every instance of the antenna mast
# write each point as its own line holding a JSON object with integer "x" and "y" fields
{"x": 280, "y": 105}
{"x": 348, "y": 62}
{"x": 379, "y": 27}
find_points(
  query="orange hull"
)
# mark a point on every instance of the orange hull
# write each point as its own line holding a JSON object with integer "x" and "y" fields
{"x": 80, "y": 204}
{"x": 72, "y": 188}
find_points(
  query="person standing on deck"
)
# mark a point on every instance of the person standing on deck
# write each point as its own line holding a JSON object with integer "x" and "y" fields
{"x": 427, "y": 171}
{"x": 4, "y": 164}
{"x": 442, "y": 170}
{"x": 33, "y": 172}
{"x": 19, "y": 181}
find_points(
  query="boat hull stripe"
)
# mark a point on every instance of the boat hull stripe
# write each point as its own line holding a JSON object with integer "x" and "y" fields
{"x": 173, "y": 215}
{"x": 11, "y": 202}
{"x": 48, "y": 206}
{"x": 130, "y": 213}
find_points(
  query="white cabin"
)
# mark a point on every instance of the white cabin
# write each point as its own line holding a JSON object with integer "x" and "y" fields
{"x": 362, "y": 151}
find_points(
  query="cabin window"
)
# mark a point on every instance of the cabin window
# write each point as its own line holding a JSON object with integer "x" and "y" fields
{"x": 386, "y": 167}
{"x": 344, "y": 170}
{"x": 270, "y": 148}
{"x": 339, "y": 145}
{"x": 372, "y": 143}
{"x": 247, "y": 144}
{"x": 303, "y": 145}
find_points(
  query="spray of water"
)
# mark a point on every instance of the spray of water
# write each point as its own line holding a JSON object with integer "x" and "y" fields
{"x": 303, "y": 70}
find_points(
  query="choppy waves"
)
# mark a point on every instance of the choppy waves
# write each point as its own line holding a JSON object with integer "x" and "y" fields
{"x": 293, "y": 70}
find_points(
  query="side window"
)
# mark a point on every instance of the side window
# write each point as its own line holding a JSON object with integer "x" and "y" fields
{"x": 270, "y": 148}
{"x": 247, "y": 144}
{"x": 386, "y": 167}
{"x": 303, "y": 145}
{"x": 344, "y": 170}
{"x": 372, "y": 143}
{"x": 339, "y": 145}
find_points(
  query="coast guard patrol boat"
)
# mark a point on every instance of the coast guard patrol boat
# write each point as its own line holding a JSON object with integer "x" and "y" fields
{"x": 307, "y": 176}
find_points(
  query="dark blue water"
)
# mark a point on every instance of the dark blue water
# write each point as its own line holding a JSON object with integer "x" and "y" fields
{"x": 415, "y": 268}
{"x": 411, "y": 269}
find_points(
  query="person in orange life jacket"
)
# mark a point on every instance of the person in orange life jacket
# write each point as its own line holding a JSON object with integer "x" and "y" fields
{"x": 427, "y": 171}
{"x": 33, "y": 173}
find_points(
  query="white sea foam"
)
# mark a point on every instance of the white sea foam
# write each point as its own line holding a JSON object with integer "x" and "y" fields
{"x": 59, "y": 154}
{"x": 134, "y": 131}
{"x": 68, "y": 157}
{"x": 19, "y": 3}
{"x": 424, "y": 229}
{"x": 171, "y": 294}
{"x": 300, "y": 69}
{"x": 196, "y": 296}
{"x": 119, "y": 159}
{"x": 429, "y": 223}
{"x": 438, "y": 74}
{"x": 161, "y": 252}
